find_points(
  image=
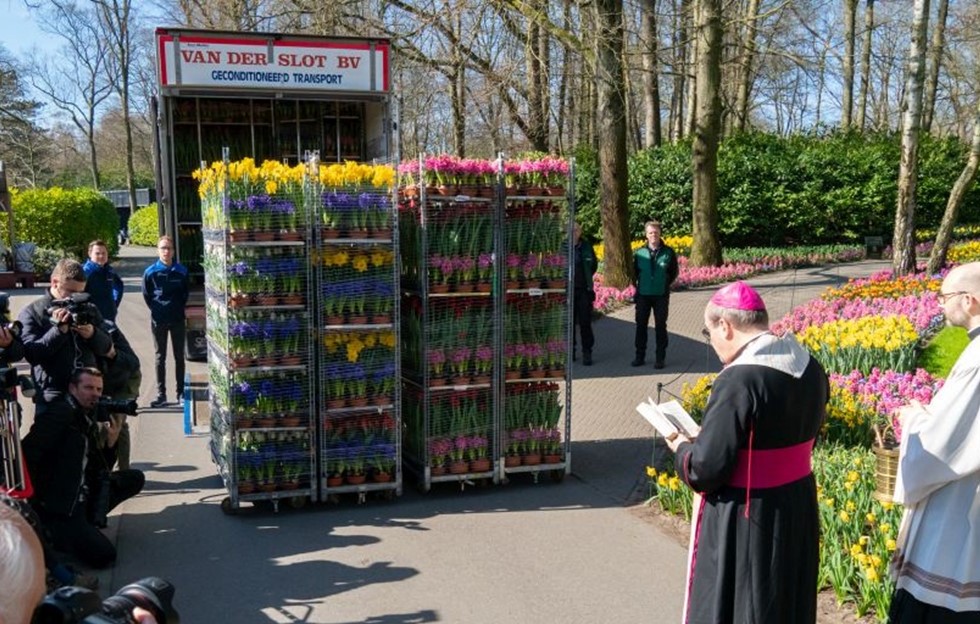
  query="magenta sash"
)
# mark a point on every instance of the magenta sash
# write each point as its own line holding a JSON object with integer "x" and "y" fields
{"x": 769, "y": 468}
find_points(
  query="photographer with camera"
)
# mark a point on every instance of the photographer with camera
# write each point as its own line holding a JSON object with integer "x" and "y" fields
{"x": 11, "y": 347}
{"x": 73, "y": 487}
{"x": 62, "y": 332}
{"x": 148, "y": 601}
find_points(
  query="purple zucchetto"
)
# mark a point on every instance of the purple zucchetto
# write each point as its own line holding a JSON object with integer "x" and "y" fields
{"x": 738, "y": 296}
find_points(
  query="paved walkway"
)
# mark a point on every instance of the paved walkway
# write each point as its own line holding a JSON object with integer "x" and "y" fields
{"x": 525, "y": 552}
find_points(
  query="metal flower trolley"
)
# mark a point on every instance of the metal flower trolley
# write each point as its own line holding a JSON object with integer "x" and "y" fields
{"x": 485, "y": 315}
{"x": 535, "y": 423}
{"x": 358, "y": 339}
{"x": 257, "y": 276}
{"x": 448, "y": 320}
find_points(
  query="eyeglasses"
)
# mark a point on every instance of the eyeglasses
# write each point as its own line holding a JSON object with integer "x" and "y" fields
{"x": 944, "y": 297}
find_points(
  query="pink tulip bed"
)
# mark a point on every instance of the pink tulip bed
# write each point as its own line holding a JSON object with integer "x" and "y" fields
{"x": 609, "y": 298}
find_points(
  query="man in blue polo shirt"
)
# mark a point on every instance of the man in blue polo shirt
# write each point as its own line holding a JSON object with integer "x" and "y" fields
{"x": 165, "y": 290}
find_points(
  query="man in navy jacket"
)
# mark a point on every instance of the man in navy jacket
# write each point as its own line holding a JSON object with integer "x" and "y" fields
{"x": 102, "y": 283}
{"x": 165, "y": 290}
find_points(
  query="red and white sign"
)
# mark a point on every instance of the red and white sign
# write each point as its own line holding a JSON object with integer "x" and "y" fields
{"x": 275, "y": 63}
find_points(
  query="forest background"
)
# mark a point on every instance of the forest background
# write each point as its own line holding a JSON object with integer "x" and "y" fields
{"x": 637, "y": 90}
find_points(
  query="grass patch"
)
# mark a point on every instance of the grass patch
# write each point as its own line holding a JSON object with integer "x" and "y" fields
{"x": 941, "y": 352}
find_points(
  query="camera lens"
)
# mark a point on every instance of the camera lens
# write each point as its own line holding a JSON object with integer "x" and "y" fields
{"x": 66, "y": 605}
{"x": 153, "y": 594}
{"x": 15, "y": 328}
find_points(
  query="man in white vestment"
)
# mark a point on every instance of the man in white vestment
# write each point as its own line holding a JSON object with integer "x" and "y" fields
{"x": 937, "y": 562}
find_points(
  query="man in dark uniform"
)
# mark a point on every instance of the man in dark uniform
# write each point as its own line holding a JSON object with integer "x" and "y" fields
{"x": 655, "y": 267}
{"x": 757, "y": 551}
{"x": 585, "y": 268}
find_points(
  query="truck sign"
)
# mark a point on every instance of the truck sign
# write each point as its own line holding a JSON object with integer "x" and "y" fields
{"x": 237, "y": 61}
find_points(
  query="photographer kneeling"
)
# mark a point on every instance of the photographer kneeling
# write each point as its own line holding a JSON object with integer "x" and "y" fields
{"x": 73, "y": 486}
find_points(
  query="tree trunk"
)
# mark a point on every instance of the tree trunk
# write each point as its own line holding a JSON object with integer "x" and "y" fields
{"x": 745, "y": 78}
{"x": 847, "y": 90}
{"x": 612, "y": 149}
{"x": 457, "y": 96}
{"x": 544, "y": 56}
{"x": 692, "y": 79}
{"x": 869, "y": 24}
{"x": 93, "y": 158}
{"x": 651, "y": 77}
{"x": 536, "y": 97}
{"x": 936, "y": 50}
{"x": 563, "y": 80}
{"x": 821, "y": 82}
{"x": 937, "y": 259}
{"x": 903, "y": 243}
{"x": 681, "y": 54}
{"x": 706, "y": 248}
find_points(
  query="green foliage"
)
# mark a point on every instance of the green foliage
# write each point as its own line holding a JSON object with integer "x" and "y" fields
{"x": 64, "y": 220}
{"x": 940, "y": 354}
{"x": 587, "y": 192}
{"x": 660, "y": 188}
{"x": 144, "y": 228}
{"x": 774, "y": 191}
{"x": 45, "y": 259}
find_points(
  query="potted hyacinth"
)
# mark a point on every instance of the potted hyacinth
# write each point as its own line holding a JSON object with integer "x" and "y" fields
{"x": 476, "y": 451}
{"x": 458, "y": 463}
{"x": 383, "y": 463}
{"x": 483, "y": 364}
{"x": 437, "y": 367}
{"x": 439, "y": 454}
{"x": 516, "y": 439}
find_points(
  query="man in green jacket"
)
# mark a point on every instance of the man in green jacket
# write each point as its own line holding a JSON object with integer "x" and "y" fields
{"x": 585, "y": 267}
{"x": 655, "y": 268}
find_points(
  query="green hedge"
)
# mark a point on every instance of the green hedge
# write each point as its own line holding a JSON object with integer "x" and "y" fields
{"x": 64, "y": 220}
{"x": 144, "y": 228}
{"x": 775, "y": 191}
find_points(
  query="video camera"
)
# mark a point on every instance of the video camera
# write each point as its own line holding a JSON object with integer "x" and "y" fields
{"x": 14, "y": 327}
{"x": 82, "y": 311}
{"x": 68, "y": 605}
{"x": 106, "y": 407}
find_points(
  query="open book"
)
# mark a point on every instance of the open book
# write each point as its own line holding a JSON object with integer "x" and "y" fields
{"x": 668, "y": 418}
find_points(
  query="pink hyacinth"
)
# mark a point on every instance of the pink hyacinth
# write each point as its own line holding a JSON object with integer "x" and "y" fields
{"x": 484, "y": 353}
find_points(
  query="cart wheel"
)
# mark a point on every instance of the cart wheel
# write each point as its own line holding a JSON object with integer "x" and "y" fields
{"x": 558, "y": 475}
{"x": 297, "y": 502}
{"x": 227, "y": 507}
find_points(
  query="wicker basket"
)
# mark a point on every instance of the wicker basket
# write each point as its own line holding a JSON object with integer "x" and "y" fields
{"x": 886, "y": 469}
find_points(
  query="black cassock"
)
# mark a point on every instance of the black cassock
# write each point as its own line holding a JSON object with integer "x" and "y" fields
{"x": 761, "y": 568}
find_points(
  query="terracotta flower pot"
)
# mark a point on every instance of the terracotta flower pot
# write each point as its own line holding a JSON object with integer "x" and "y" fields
{"x": 355, "y": 479}
{"x": 512, "y": 461}
{"x": 381, "y": 477}
{"x": 459, "y": 467}
{"x": 480, "y": 465}
{"x": 335, "y": 481}
{"x": 531, "y": 459}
